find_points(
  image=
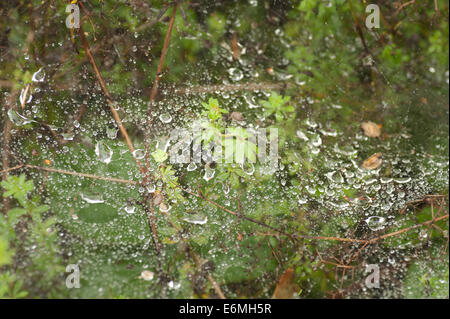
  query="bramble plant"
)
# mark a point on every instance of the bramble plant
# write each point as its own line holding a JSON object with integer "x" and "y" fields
{"x": 276, "y": 105}
{"x": 37, "y": 230}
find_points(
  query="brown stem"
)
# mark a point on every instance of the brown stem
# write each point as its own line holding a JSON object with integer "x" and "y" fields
{"x": 241, "y": 216}
{"x": 404, "y": 230}
{"x": 11, "y": 169}
{"x": 109, "y": 100}
{"x": 152, "y": 223}
{"x": 358, "y": 27}
{"x": 328, "y": 238}
{"x": 156, "y": 83}
{"x": 150, "y": 210}
{"x": 210, "y": 277}
{"x": 163, "y": 56}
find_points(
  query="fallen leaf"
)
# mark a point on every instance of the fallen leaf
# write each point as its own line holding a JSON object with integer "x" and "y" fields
{"x": 286, "y": 287}
{"x": 146, "y": 275}
{"x": 373, "y": 161}
{"x": 237, "y": 116}
{"x": 157, "y": 198}
{"x": 371, "y": 129}
{"x": 235, "y": 46}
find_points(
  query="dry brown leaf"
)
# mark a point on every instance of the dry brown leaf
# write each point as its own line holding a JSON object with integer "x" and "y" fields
{"x": 237, "y": 116}
{"x": 286, "y": 287}
{"x": 235, "y": 46}
{"x": 373, "y": 161}
{"x": 157, "y": 198}
{"x": 371, "y": 129}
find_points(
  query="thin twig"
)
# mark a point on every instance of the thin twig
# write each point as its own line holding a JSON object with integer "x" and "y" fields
{"x": 109, "y": 100}
{"x": 156, "y": 81}
{"x": 11, "y": 169}
{"x": 210, "y": 277}
{"x": 150, "y": 212}
{"x": 239, "y": 215}
{"x": 404, "y": 230}
{"x": 328, "y": 238}
{"x": 163, "y": 56}
{"x": 403, "y": 5}
{"x": 61, "y": 171}
{"x": 358, "y": 27}
{"x": 232, "y": 87}
{"x": 152, "y": 223}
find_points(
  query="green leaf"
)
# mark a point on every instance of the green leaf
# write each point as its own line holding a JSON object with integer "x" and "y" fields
{"x": 14, "y": 214}
{"x": 17, "y": 186}
{"x": 5, "y": 253}
{"x": 159, "y": 155}
{"x": 41, "y": 209}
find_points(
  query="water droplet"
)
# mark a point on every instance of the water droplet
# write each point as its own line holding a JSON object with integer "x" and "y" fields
{"x": 174, "y": 285}
{"x": 103, "y": 152}
{"x": 151, "y": 188}
{"x": 130, "y": 209}
{"x": 68, "y": 136}
{"x": 316, "y": 141}
{"x": 302, "y": 135}
{"x": 248, "y": 168}
{"x": 139, "y": 154}
{"x": 209, "y": 173}
{"x": 402, "y": 180}
{"x": 196, "y": 219}
{"x": 39, "y": 76}
{"x": 191, "y": 167}
{"x": 235, "y": 74}
{"x": 311, "y": 190}
{"x": 92, "y": 198}
{"x": 164, "y": 208}
{"x": 25, "y": 96}
{"x": 112, "y": 132}
{"x": 18, "y": 119}
{"x": 165, "y": 118}
{"x": 375, "y": 222}
{"x": 335, "y": 177}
